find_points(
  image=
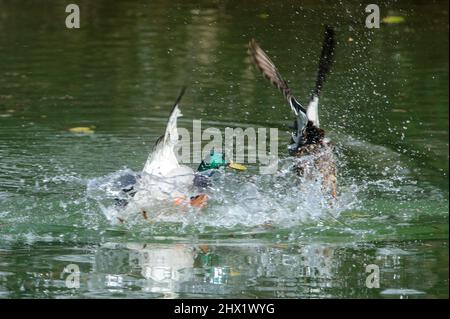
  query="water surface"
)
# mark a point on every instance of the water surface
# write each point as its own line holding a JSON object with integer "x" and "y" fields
{"x": 385, "y": 105}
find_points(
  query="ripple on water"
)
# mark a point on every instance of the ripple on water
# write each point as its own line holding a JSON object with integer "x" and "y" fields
{"x": 401, "y": 292}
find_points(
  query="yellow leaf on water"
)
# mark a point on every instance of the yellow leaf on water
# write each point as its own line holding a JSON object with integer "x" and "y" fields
{"x": 393, "y": 19}
{"x": 81, "y": 129}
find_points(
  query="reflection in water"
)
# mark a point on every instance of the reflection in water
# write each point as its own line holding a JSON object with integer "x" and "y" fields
{"x": 256, "y": 270}
{"x": 161, "y": 265}
{"x": 243, "y": 269}
{"x": 181, "y": 268}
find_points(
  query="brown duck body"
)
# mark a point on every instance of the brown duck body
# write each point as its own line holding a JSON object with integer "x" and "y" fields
{"x": 316, "y": 160}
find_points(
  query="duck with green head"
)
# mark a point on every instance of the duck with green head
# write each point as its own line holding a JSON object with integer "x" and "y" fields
{"x": 163, "y": 178}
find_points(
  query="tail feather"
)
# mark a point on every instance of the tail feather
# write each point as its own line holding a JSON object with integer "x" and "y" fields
{"x": 177, "y": 101}
{"x": 171, "y": 129}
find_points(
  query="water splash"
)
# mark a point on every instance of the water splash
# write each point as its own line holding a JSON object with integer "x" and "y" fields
{"x": 243, "y": 199}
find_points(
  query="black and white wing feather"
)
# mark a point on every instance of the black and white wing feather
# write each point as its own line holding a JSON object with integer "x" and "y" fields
{"x": 270, "y": 71}
{"x": 325, "y": 63}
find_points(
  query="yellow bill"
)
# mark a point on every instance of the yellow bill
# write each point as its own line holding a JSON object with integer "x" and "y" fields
{"x": 237, "y": 166}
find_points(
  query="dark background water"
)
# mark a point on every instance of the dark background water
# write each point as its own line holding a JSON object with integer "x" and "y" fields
{"x": 385, "y": 104}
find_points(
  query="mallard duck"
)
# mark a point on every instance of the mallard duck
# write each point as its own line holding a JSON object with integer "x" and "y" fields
{"x": 314, "y": 153}
{"x": 163, "y": 178}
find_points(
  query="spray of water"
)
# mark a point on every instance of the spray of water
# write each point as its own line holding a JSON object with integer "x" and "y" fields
{"x": 244, "y": 199}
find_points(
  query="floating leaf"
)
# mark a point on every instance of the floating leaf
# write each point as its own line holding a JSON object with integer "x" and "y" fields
{"x": 81, "y": 129}
{"x": 393, "y": 19}
{"x": 399, "y": 110}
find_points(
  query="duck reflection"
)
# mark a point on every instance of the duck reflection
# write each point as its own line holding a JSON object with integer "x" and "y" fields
{"x": 252, "y": 270}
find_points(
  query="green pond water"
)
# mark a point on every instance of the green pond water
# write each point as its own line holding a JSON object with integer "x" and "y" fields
{"x": 385, "y": 105}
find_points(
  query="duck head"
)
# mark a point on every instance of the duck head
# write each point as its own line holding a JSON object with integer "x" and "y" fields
{"x": 215, "y": 160}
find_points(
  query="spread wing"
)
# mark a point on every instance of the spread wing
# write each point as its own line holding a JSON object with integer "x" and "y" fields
{"x": 270, "y": 71}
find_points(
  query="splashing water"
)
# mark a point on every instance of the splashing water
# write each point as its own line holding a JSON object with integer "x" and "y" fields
{"x": 235, "y": 199}
{"x": 368, "y": 176}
